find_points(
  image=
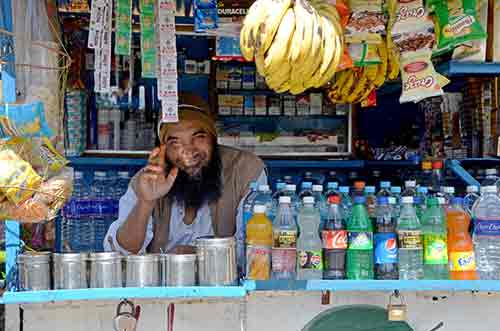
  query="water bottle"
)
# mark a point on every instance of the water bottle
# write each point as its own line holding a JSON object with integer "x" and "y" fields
{"x": 421, "y": 200}
{"x": 486, "y": 234}
{"x": 320, "y": 203}
{"x": 435, "y": 241}
{"x": 248, "y": 204}
{"x": 265, "y": 198}
{"x": 331, "y": 189}
{"x": 396, "y": 193}
{"x": 359, "y": 262}
{"x": 309, "y": 245}
{"x": 345, "y": 201}
{"x": 280, "y": 190}
{"x": 409, "y": 233}
{"x": 470, "y": 198}
{"x": 101, "y": 197}
{"x": 284, "y": 252}
{"x": 305, "y": 191}
{"x": 448, "y": 194}
{"x": 307, "y": 178}
{"x": 288, "y": 179}
{"x": 76, "y": 220}
{"x": 371, "y": 202}
{"x": 410, "y": 189}
{"x": 122, "y": 182}
{"x": 331, "y": 178}
{"x": 491, "y": 178}
{"x": 334, "y": 237}
{"x": 290, "y": 191}
{"x": 385, "y": 241}
{"x": 385, "y": 189}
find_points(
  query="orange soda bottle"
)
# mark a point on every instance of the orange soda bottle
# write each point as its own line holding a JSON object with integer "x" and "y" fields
{"x": 259, "y": 243}
{"x": 462, "y": 262}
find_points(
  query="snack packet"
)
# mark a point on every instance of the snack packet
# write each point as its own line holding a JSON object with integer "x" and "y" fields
{"x": 18, "y": 180}
{"x": 367, "y": 22}
{"x": 346, "y": 61}
{"x": 205, "y": 15}
{"x": 457, "y": 22}
{"x": 23, "y": 120}
{"x": 418, "y": 76}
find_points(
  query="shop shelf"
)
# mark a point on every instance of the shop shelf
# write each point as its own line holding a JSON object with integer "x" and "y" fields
{"x": 392, "y": 163}
{"x": 121, "y": 293}
{"x": 373, "y": 285}
{"x": 455, "y": 68}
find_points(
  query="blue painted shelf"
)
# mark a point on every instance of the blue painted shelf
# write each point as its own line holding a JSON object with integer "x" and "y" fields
{"x": 373, "y": 285}
{"x": 121, "y": 293}
{"x": 455, "y": 68}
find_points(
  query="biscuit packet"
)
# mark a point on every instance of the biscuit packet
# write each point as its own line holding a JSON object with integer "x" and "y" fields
{"x": 366, "y": 23}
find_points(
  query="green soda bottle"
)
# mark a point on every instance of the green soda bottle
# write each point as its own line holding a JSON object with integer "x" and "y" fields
{"x": 359, "y": 263}
{"x": 435, "y": 241}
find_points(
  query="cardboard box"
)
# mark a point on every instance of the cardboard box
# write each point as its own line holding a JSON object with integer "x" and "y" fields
{"x": 316, "y": 103}
{"x": 260, "y": 102}
{"x": 249, "y": 106}
{"x": 274, "y": 107}
{"x": 237, "y": 102}
{"x": 224, "y": 104}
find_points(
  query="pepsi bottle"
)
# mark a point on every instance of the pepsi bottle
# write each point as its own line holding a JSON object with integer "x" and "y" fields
{"x": 385, "y": 241}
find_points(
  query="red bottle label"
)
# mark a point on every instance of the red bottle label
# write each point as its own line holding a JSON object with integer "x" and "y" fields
{"x": 334, "y": 239}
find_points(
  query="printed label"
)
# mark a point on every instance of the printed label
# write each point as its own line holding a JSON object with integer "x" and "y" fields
{"x": 284, "y": 259}
{"x": 360, "y": 240}
{"x": 487, "y": 227}
{"x": 285, "y": 239}
{"x": 312, "y": 260}
{"x": 258, "y": 262}
{"x": 334, "y": 239}
{"x": 435, "y": 249}
{"x": 386, "y": 248}
{"x": 462, "y": 261}
{"x": 410, "y": 239}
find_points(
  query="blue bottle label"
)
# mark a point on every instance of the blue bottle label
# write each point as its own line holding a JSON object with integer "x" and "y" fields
{"x": 386, "y": 248}
{"x": 487, "y": 227}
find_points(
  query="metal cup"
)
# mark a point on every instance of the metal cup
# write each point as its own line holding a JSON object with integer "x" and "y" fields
{"x": 105, "y": 270}
{"x": 70, "y": 270}
{"x": 179, "y": 269}
{"x": 142, "y": 270}
{"x": 217, "y": 261}
{"x": 34, "y": 271}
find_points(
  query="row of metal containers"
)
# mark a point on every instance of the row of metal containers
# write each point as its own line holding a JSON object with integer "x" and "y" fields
{"x": 212, "y": 264}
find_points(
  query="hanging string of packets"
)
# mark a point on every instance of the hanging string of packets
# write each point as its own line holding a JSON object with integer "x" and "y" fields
{"x": 167, "y": 60}
{"x": 148, "y": 42}
{"x": 123, "y": 27}
{"x": 100, "y": 32}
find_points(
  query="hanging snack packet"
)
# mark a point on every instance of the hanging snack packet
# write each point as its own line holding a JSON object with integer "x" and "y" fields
{"x": 346, "y": 61}
{"x": 205, "y": 15}
{"x": 18, "y": 180}
{"x": 23, "y": 120}
{"x": 364, "y": 54}
{"x": 418, "y": 76}
{"x": 367, "y": 22}
{"x": 457, "y": 22}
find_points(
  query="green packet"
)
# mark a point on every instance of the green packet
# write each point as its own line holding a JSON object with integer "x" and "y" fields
{"x": 456, "y": 22}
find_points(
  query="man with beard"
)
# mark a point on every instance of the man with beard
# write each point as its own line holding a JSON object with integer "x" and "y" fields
{"x": 191, "y": 187}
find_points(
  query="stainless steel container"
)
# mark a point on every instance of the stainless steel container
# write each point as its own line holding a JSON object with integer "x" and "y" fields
{"x": 217, "y": 261}
{"x": 70, "y": 270}
{"x": 142, "y": 270}
{"x": 34, "y": 271}
{"x": 179, "y": 269}
{"x": 105, "y": 270}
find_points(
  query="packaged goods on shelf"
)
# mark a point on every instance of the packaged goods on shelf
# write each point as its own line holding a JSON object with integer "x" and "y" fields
{"x": 75, "y": 122}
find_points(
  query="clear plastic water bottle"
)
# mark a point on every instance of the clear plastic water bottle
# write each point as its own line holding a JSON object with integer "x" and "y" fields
{"x": 486, "y": 235}
{"x": 409, "y": 233}
{"x": 284, "y": 252}
{"x": 491, "y": 178}
{"x": 448, "y": 193}
{"x": 248, "y": 204}
{"x": 331, "y": 178}
{"x": 371, "y": 202}
{"x": 320, "y": 203}
{"x": 410, "y": 189}
{"x": 309, "y": 245}
{"x": 331, "y": 189}
{"x": 396, "y": 193}
{"x": 470, "y": 198}
{"x": 76, "y": 222}
{"x": 385, "y": 189}
{"x": 345, "y": 201}
{"x": 102, "y": 199}
{"x": 290, "y": 191}
{"x": 305, "y": 190}
{"x": 264, "y": 198}
{"x": 280, "y": 190}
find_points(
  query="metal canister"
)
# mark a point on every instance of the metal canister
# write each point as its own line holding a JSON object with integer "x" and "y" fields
{"x": 217, "y": 261}
{"x": 34, "y": 271}
{"x": 179, "y": 269}
{"x": 142, "y": 270}
{"x": 105, "y": 270}
{"x": 70, "y": 270}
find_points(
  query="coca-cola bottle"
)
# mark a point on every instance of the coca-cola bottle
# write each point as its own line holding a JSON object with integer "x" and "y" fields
{"x": 385, "y": 240}
{"x": 334, "y": 235}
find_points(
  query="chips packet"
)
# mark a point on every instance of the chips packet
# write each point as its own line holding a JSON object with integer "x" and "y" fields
{"x": 23, "y": 120}
{"x": 366, "y": 23}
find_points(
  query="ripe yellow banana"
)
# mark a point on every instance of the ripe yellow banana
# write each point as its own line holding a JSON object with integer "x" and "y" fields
{"x": 370, "y": 71}
{"x": 358, "y": 90}
{"x": 255, "y": 15}
{"x": 275, "y": 12}
{"x": 382, "y": 66}
{"x": 328, "y": 53}
{"x": 303, "y": 36}
{"x": 277, "y": 55}
{"x": 316, "y": 56}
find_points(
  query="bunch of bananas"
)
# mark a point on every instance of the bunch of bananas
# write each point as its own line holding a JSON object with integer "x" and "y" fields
{"x": 296, "y": 44}
{"x": 354, "y": 85}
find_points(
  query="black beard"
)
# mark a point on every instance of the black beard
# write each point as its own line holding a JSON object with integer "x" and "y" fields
{"x": 206, "y": 187}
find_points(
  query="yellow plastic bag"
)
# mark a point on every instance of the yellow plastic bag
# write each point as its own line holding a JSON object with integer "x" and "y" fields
{"x": 18, "y": 180}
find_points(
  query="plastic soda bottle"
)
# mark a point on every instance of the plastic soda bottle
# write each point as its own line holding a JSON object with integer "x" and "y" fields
{"x": 421, "y": 201}
{"x": 486, "y": 235}
{"x": 258, "y": 245}
{"x": 345, "y": 201}
{"x": 358, "y": 189}
{"x": 426, "y": 175}
{"x": 284, "y": 252}
{"x": 435, "y": 242}
{"x": 309, "y": 245}
{"x": 396, "y": 193}
{"x": 305, "y": 191}
{"x": 385, "y": 241}
{"x": 359, "y": 259}
{"x": 448, "y": 192}
{"x": 437, "y": 176}
{"x": 371, "y": 201}
{"x": 332, "y": 189}
{"x": 471, "y": 198}
{"x": 320, "y": 201}
{"x": 334, "y": 237}
{"x": 385, "y": 189}
{"x": 409, "y": 233}
{"x": 462, "y": 260}
{"x": 410, "y": 189}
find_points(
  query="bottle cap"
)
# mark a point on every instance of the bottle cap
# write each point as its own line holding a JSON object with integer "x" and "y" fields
{"x": 396, "y": 189}
{"x": 291, "y": 187}
{"x": 332, "y": 185}
{"x": 280, "y": 186}
{"x": 382, "y": 200}
{"x": 385, "y": 184}
{"x": 263, "y": 188}
{"x": 472, "y": 189}
{"x": 489, "y": 189}
{"x": 99, "y": 174}
{"x": 344, "y": 189}
{"x": 426, "y": 165}
{"x": 410, "y": 183}
{"x": 359, "y": 199}
{"x": 449, "y": 190}
{"x": 370, "y": 189}
{"x": 391, "y": 200}
{"x": 437, "y": 165}
{"x": 285, "y": 199}
{"x": 308, "y": 200}
{"x": 317, "y": 188}
{"x": 441, "y": 200}
{"x": 259, "y": 209}
{"x": 359, "y": 185}
{"x": 307, "y": 185}
{"x": 123, "y": 174}
{"x": 407, "y": 200}
{"x": 334, "y": 199}
{"x": 490, "y": 172}
{"x": 423, "y": 190}
{"x": 78, "y": 175}
{"x": 253, "y": 186}
{"x": 457, "y": 201}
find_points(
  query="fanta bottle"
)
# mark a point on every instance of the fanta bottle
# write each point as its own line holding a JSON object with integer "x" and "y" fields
{"x": 259, "y": 242}
{"x": 462, "y": 262}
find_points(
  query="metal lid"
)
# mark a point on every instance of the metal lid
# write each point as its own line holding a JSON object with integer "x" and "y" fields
{"x": 29, "y": 257}
{"x": 143, "y": 257}
{"x": 104, "y": 256}
{"x": 181, "y": 257}
{"x": 70, "y": 257}
{"x": 211, "y": 241}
